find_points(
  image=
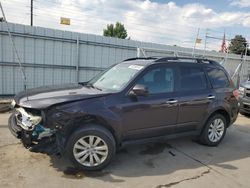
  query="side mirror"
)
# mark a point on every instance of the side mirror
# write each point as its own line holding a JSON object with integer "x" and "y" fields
{"x": 139, "y": 90}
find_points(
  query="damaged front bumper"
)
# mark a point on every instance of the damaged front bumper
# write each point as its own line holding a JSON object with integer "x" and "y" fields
{"x": 27, "y": 128}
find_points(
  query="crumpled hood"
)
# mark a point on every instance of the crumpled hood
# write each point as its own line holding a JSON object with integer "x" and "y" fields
{"x": 43, "y": 97}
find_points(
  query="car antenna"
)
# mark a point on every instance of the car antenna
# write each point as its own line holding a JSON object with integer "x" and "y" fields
{"x": 15, "y": 51}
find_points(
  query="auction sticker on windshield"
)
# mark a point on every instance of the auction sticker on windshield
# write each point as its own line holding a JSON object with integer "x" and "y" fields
{"x": 136, "y": 67}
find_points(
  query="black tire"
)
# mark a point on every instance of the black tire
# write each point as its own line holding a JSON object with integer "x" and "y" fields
{"x": 245, "y": 114}
{"x": 93, "y": 130}
{"x": 242, "y": 113}
{"x": 204, "y": 137}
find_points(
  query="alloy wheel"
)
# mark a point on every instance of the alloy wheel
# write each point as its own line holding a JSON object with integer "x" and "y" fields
{"x": 216, "y": 130}
{"x": 90, "y": 150}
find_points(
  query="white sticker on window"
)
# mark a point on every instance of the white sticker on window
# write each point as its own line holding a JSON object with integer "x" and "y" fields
{"x": 137, "y": 67}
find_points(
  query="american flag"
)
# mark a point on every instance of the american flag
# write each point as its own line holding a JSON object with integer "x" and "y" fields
{"x": 224, "y": 45}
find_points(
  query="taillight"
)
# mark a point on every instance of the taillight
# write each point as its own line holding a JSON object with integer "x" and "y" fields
{"x": 236, "y": 93}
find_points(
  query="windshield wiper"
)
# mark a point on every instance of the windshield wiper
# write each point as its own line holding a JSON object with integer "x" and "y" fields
{"x": 91, "y": 85}
{"x": 82, "y": 83}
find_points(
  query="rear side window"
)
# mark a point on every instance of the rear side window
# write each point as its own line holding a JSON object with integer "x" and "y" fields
{"x": 217, "y": 77}
{"x": 192, "y": 78}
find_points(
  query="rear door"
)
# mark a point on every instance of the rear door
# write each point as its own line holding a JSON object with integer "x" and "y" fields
{"x": 195, "y": 96}
{"x": 224, "y": 89}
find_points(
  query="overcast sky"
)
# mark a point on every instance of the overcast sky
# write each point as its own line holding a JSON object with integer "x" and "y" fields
{"x": 159, "y": 21}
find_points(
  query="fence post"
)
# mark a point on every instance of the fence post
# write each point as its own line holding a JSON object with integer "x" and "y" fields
{"x": 138, "y": 52}
{"x": 77, "y": 59}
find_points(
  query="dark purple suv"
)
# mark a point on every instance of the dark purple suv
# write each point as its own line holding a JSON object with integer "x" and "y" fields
{"x": 137, "y": 100}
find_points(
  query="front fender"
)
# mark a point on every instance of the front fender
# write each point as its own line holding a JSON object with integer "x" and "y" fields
{"x": 69, "y": 117}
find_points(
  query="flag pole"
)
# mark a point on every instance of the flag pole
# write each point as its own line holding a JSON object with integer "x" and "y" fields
{"x": 205, "y": 44}
{"x": 198, "y": 31}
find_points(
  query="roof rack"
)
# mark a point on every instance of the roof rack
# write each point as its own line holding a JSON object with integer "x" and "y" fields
{"x": 174, "y": 58}
{"x": 178, "y": 58}
{"x": 198, "y": 60}
{"x": 141, "y": 58}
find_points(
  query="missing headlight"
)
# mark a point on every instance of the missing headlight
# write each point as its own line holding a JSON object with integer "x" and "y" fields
{"x": 27, "y": 120}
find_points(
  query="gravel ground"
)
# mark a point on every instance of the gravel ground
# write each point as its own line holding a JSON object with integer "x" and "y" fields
{"x": 177, "y": 163}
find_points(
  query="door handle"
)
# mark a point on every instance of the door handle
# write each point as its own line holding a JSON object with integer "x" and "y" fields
{"x": 171, "y": 101}
{"x": 211, "y": 97}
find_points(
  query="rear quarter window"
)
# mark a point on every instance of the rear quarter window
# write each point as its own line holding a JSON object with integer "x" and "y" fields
{"x": 217, "y": 77}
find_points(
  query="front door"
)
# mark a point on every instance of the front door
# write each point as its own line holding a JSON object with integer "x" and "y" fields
{"x": 155, "y": 114}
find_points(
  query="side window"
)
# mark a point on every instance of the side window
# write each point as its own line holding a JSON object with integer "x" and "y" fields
{"x": 192, "y": 78}
{"x": 158, "y": 80}
{"x": 217, "y": 77}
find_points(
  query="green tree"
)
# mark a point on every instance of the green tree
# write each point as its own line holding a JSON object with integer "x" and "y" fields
{"x": 117, "y": 31}
{"x": 238, "y": 45}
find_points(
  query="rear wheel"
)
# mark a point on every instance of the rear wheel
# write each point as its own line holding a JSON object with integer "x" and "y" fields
{"x": 214, "y": 131}
{"x": 91, "y": 148}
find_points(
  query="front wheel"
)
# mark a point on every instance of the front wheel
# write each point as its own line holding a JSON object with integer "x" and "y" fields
{"x": 214, "y": 131}
{"x": 91, "y": 148}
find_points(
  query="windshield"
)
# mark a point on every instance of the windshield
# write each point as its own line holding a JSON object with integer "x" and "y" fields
{"x": 116, "y": 78}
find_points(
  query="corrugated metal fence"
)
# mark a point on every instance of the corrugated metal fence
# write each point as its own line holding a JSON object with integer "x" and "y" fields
{"x": 55, "y": 57}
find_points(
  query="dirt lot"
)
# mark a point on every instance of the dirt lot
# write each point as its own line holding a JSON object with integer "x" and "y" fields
{"x": 177, "y": 163}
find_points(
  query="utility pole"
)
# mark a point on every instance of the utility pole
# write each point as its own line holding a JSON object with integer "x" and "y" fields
{"x": 31, "y": 12}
